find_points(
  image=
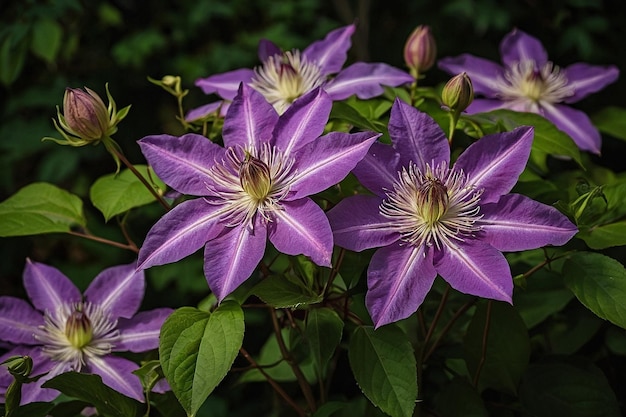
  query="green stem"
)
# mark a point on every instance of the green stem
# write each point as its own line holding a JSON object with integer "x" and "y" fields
{"x": 105, "y": 241}
{"x": 273, "y": 383}
{"x": 483, "y": 355}
{"x": 454, "y": 118}
{"x": 304, "y": 385}
{"x": 141, "y": 178}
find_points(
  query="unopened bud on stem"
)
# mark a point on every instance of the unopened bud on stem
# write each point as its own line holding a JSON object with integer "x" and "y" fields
{"x": 420, "y": 50}
{"x": 458, "y": 93}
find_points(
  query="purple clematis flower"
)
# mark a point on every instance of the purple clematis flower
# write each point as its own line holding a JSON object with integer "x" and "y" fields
{"x": 282, "y": 77}
{"x": 430, "y": 218}
{"x": 528, "y": 82}
{"x": 65, "y": 330}
{"x": 253, "y": 188}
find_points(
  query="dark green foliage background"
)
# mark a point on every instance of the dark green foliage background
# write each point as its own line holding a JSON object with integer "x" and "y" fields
{"x": 46, "y": 46}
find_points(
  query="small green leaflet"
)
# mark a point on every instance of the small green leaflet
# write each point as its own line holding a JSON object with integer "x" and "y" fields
{"x": 115, "y": 194}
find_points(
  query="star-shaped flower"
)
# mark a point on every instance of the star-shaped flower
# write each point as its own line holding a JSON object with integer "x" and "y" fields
{"x": 65, "y": 330}
{"x": 528, "y": 82}
{"x": 283, "y": 77}
{"x": 430, "y": 218}
{"x": 253, "y": 188}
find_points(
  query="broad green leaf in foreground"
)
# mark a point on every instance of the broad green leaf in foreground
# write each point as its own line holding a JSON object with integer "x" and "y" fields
{"x": 115, "y": 194}
{"x": 91, "y": 389}
{"x": 599, "y": 282}
{"x": 383, "y": 364}
{"x": 40, "y": 208}
{"x": 567, "y": 389}
{"x": 197, "y": 349}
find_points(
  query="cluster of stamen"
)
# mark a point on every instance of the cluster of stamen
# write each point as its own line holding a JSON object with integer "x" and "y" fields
{"x": 433, "y": 207}
{"x": 528, "y": 85}
{"x": 76, "y": 332}
{"x": 250, "y": 182}
{"x": 284, "y": 77}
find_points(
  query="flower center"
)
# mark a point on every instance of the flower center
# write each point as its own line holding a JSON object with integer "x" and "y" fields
{"x": 283, "y": 78}
{"x": 255, "y": 178}
{"x": 432, "y": 207}
{"x": 525, "y": 83}
{"x": 250, "y": 182}
{"x": 76, "y": 332}
{"x": 78, "y": 328}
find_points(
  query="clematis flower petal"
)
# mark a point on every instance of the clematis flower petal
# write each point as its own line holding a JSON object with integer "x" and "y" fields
{"x": 358, "y": 225}
{"x": 378, "y": 169}
{"x": 576, "y": 124}
{"x": 19, "y": 322}
{"x": 586, "y": 79}
{"x": 398, "y": 279}
{"x": 519, "y": 46}
{"x": 496, "y": 161}
{"x": 180, "y": 232}
{"x": 476, "y": 268}
{"x": 302, "y": 122}
{"x": 182, "y": 162}
{"x": 483, "y": 73}
{"x": 117, "y": 373}
{"x": 141, "y": 332}
{"x": 328, "y": 160}
{"x": 203, "y": 111}
{"x": 226, "y": 84}
{"x": 118, "y": 290}
{"x": 250, "y": 120}
{"x": 230, "y": 259}
{"x": 47, "y": 287}
{"x": 482, "y": 105}
{"x": 267, "y": 49}
{"x": 517, "y": 223}
{"x": 416, "y": 136}
{"x": 331, "y": 52}
{"x": 301, "y": 227}
{"x": 365, "y": 80}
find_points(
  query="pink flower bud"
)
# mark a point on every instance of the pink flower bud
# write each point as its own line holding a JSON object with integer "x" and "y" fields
{"x": 420, "y": 50}
{"x": 86, "y": 114}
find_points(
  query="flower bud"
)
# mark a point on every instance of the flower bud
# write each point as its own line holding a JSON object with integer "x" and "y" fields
{"x": 85, "y": 113}
{"x": 19, "y": 366}
{"x": 420, "y": 50}
{"x": 458, "y": 93}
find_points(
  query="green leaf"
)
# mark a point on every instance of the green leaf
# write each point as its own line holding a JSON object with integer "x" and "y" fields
{"x": 91, "y": 389}
{"x": 599, "y": 282}
{"x": 40, "y": 208}
{"x": 323, "y": 333}
{"x": 611, "y": 120}
{"x": 383, "y": 364}
{"x": 197, "y": 349}
{"x": 605, "y": 236}
{"x": 544, "y": 295}
{"x": 507, "y": 352}
{"x": 115, "y": 194}
{"x": 548, "y": 138}
{"x": 281, "y": 291}
{"x": 46, "y": 40}
{"x": 36, "y": 409}
{"x": 343, "y": 111}
{"x": 460, "y": 399}
{"x": 12, "y": 58}
{"x": 567, "y": 389}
